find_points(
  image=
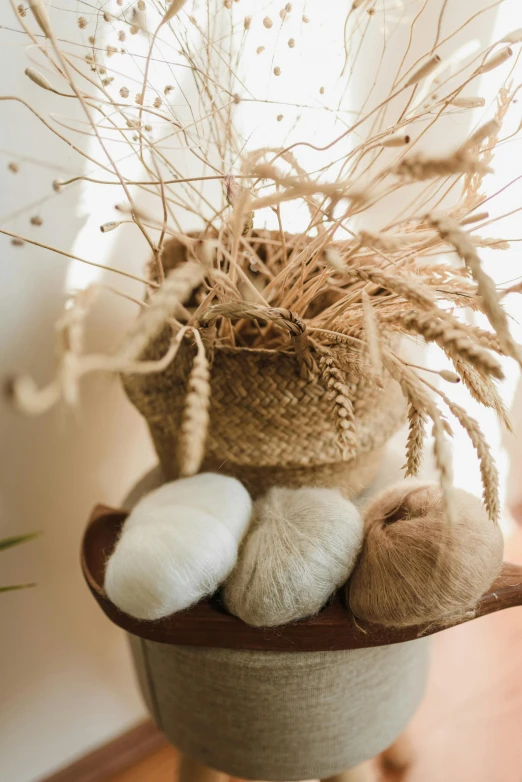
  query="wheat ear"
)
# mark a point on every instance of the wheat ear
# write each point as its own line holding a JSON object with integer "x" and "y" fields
{"x": 195, "y": 419}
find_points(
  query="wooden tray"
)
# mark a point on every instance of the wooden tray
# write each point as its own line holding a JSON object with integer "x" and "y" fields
{"x": 208, "y": 623}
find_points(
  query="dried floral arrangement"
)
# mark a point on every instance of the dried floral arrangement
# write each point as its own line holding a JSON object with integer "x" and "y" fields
{"x": 330, "y": 291}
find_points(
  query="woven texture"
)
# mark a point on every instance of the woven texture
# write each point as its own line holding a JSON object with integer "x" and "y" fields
{"x": 262, "y": 412}
{"x": 280, "y": 715}
{"x": 351, "y": 478}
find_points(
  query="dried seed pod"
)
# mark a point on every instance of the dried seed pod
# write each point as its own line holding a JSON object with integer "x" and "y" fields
{"x": 36, "y": 220}
{"x": 157, "y": 102}
{"x": 498, "y": 59}
{"x": 515, "y": 36}
{"x": 395, "y": 140}
{"x": 490, "y": 128}
{"x": 291, "y": 43}
{"x": 476, "y": 218}
{"x": 38, "y": 79}
{"x": 82, "y": 22}
{"x": 173, "y": 9}
{"x": 110, "y": 226}
{"x": 267, "y": 22}
{"x": 277, "y": 71}
{"x": 468, "y": 103}
{"x": 124, "y": 92}
{"x": 424, "y": 70}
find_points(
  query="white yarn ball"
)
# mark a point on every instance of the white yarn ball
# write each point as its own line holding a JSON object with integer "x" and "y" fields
{"x": 301, "y": 547}
{"x": 172, "y": 552}
{"x": 221, "y": 496}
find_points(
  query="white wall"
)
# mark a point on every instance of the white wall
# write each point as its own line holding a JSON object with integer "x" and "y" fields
{"x": 66, "y": 683}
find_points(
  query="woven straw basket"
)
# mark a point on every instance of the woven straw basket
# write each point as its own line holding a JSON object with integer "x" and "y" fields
{"x": 268, "y": 424}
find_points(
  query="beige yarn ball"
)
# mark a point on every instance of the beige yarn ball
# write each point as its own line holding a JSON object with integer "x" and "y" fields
{"x": 301, "y": 546}
{"x": 416, "y": 566}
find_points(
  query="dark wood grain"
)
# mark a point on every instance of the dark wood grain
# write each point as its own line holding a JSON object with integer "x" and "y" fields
{"x": 208, "y": 624}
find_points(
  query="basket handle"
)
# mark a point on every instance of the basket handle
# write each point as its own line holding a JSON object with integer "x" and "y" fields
{"x": 279, "y": 316}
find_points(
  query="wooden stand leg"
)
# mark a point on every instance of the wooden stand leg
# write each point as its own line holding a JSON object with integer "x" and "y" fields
{"x": 192, "y": 771}
{"x": 400, "y": 755}
{"x": 362, "y": 773}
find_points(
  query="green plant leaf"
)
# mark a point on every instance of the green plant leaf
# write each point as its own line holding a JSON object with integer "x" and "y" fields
{"x": 16, "y": 540}
{"x": 16, "y": 586}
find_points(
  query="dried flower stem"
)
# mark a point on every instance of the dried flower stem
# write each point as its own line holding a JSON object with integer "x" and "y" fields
{"x": 451, "y": 231}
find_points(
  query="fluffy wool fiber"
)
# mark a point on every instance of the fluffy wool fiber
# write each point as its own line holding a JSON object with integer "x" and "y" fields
{"x": 178, "y": 545}
{"x": 301, "y": 547}
{"x": 416, "y": 566}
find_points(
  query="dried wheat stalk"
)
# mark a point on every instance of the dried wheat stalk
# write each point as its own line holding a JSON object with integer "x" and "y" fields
{"x": 242, "y": 278}
{"x": 194, "y": 424}
{"x": 415, "y": 441}
{"x": 452, "y": 338}
{"x": 341, "y": 398}
{"x": 482, "y": 389}
{"x": 488, "y": 470}
{"x": 164, "y": 305}
{"x": 418, "y": 398}
{"x": 371, "y": 332}
{"x": 453, "y": 233}
{"x": 419, "y": 167}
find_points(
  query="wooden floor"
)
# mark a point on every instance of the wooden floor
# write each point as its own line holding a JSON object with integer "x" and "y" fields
{"x": 469, "y": 728}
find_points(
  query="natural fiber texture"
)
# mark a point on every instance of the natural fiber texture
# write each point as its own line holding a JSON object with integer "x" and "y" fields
{"x": 178, "y": 545}
{"x": 262, "y": 412}
{"x": 350, "y": 478}
{"x": 300, "y": 548}
{"x": 281, "y": 715}
{"x": 417, "y": 566}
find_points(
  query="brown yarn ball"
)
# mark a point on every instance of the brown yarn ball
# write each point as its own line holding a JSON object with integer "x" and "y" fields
{"x": 416, "y": 566}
